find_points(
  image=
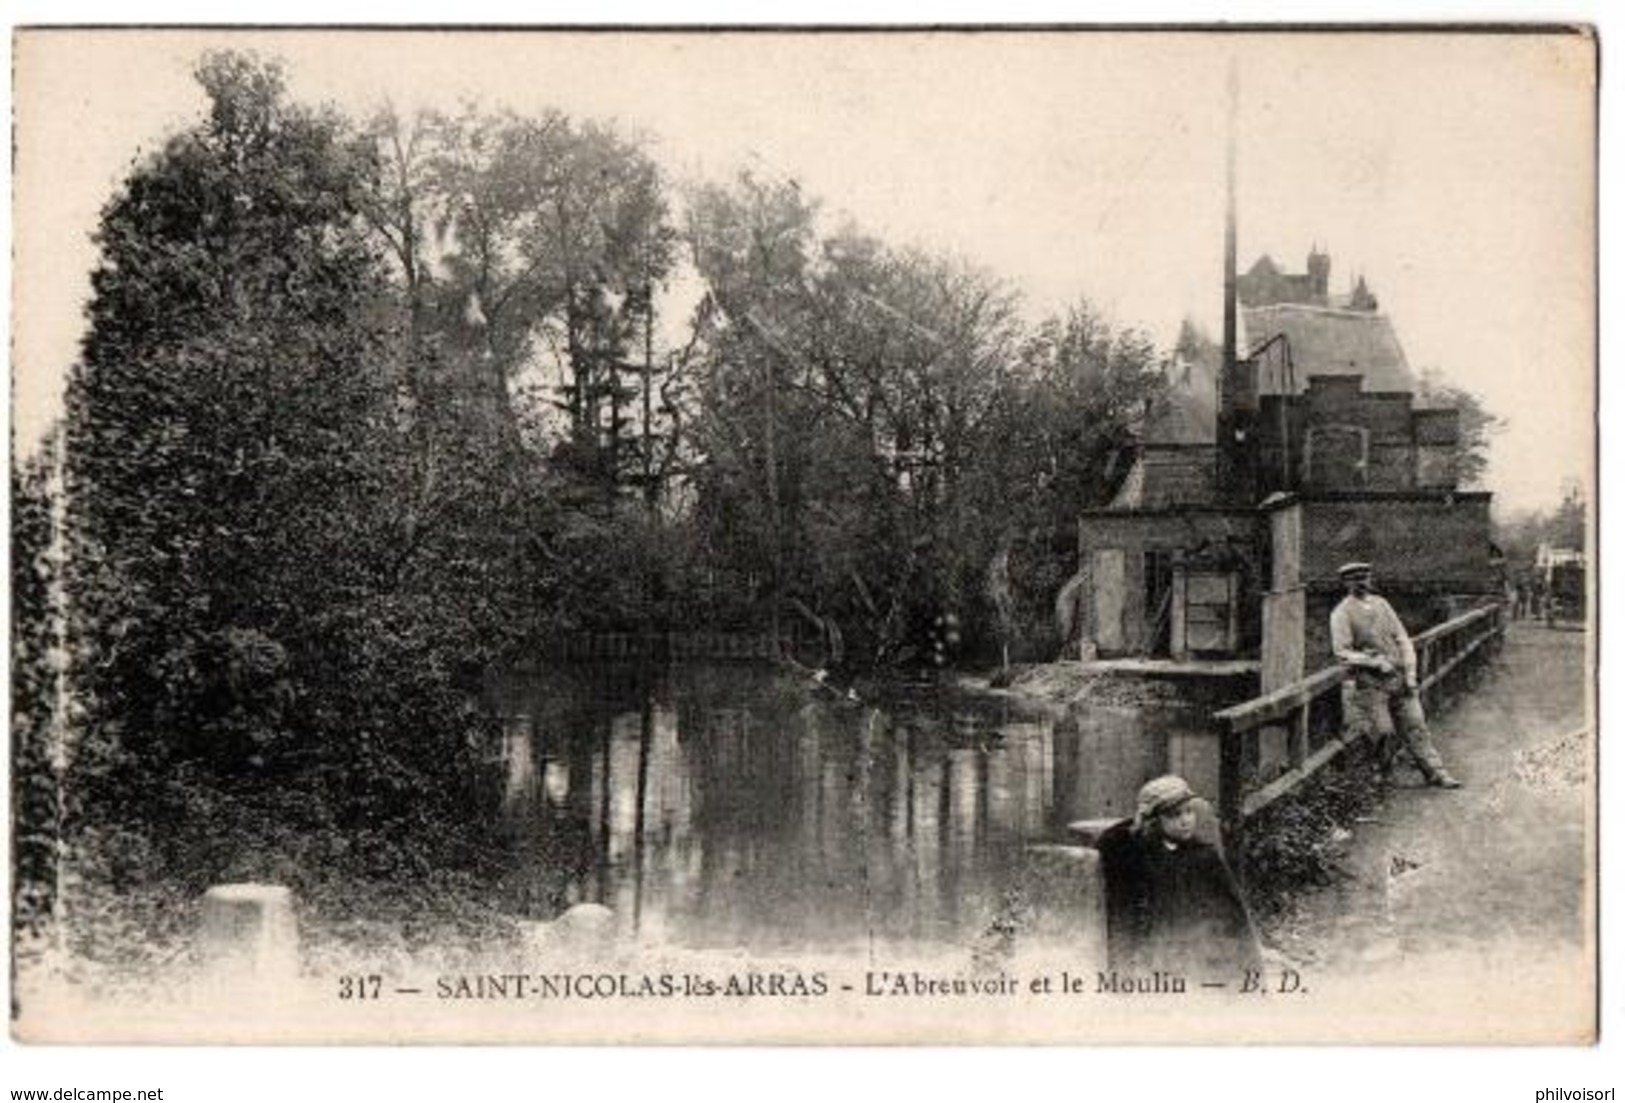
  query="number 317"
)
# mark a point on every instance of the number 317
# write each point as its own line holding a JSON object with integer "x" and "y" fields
{"x": 360, "y": 987}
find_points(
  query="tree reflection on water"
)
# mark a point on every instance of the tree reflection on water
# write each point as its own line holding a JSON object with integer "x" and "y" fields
{"x": 717, "y": 806}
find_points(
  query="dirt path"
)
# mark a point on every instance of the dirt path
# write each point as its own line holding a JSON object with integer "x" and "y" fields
{"x": 1496, "y": 868}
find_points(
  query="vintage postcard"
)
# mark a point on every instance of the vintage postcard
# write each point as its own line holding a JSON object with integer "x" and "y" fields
{"x": 815, "y": 536}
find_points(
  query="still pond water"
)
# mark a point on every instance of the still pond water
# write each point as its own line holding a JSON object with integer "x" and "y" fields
{"x": 735, "y": 807}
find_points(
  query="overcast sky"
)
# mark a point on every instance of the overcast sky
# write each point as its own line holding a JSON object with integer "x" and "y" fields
{"x": 1454, "y": 172}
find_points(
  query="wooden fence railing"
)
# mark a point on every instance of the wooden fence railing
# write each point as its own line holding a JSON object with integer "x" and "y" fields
{"x": 622, "y": 646}
{"x": 663, "y": 646}
{"x": 1307, "y": 717}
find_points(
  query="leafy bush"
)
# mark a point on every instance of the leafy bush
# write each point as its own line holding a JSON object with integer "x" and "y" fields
{"x": 1297, "y": 842}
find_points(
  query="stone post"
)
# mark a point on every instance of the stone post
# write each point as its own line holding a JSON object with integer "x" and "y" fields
{"x": 248, "y": 933}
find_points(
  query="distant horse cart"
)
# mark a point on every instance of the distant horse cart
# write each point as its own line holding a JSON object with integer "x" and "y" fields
{"x": 1561, "y": 577}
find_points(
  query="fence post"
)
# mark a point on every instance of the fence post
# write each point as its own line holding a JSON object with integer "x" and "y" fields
{"x": 1298, "y": 734}
{"x": 1230, "y": 798}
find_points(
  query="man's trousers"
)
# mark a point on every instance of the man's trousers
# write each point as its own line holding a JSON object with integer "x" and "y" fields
{"x": 1392, "y": 720}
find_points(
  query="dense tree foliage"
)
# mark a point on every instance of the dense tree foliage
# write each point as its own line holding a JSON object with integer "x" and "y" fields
{"x": 267, "y": 616}
{"x": 1065, "y": 444}
{"x": 37, "y": 705}
{"x": 1476, "y": 423}
{"x": 880, "y": 432}
{"x": 1521, "y": 534}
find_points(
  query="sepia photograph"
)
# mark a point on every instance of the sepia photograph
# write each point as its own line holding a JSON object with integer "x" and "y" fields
{"x": 826, "y": 536}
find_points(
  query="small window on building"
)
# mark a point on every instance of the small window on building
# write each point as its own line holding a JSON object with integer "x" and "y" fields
{"x": 1210, "y": 612}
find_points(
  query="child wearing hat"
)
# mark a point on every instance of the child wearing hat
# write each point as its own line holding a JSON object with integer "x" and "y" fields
{"x": 1171, "y": 901}
{"x": 1369, "y": 639}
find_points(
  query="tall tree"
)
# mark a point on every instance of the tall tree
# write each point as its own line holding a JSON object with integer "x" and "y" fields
{"x": 1476, "y": 424}
{"x": 552, "y": 237}
{"x": 234, "y": 450}
{"x": 751, "y": 245}
{"x": 1060, "y": 444}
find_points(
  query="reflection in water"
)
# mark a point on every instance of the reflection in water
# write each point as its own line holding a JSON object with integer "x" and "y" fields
{"x": 722, "y": 806}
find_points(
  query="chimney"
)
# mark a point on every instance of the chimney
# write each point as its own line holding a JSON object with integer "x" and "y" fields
{"x": 1234, "y": 456}
{"x": 1229, "y": 230}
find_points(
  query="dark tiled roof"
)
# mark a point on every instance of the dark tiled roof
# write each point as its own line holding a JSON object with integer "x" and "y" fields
{"x": 1131, "y": 495}
{"x": 1330, "y": 342}
{"x": 1166, "y": 478}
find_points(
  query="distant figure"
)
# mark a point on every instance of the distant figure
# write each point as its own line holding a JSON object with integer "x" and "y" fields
{"x": 1171, "y": 902}
{"x": 1367, "y": 637}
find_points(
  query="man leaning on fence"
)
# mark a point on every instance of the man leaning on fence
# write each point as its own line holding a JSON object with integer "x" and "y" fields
{"x": 1367, "y": 636}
